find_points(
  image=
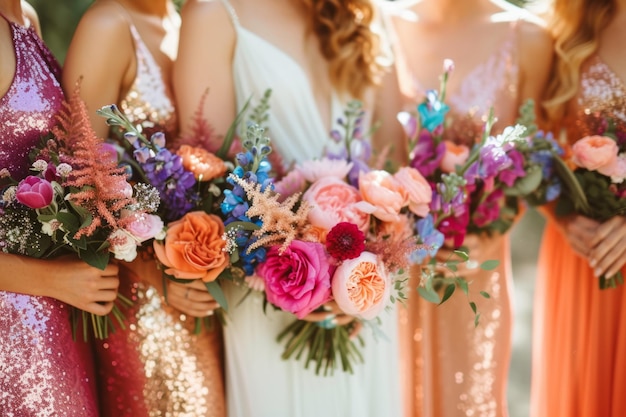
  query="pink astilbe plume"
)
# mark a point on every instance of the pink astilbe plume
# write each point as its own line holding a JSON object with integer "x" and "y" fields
{"x": 100, "y": 181}
{"x": 201, "y": 134}
{"x": 280, "y": 223}
{"x": 395, "y": 253}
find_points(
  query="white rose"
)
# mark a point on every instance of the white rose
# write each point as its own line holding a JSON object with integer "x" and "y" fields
{"x": 123, "y": 245}
{"x": 50, "y": 227}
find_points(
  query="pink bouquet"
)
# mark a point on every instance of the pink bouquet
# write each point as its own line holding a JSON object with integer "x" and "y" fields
{"x": 77, "y": 201}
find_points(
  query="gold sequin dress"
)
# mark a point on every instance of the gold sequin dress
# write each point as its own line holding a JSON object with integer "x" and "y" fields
{"x": 450, "y": 367}
{"x": 157, "y": 366}
{"x": 579, "y": 331}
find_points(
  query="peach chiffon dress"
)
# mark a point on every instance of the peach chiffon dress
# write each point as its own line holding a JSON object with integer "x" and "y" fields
{"x": 579, "y": 338}
{"x": 450, "y": 367}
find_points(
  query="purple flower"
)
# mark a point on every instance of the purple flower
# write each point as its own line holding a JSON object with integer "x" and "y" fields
{"x": 515, "y": 171}
{"x": 426, "y": 155}
{"x": 431, "y": 239}
{"x": 489, "y": 209}
{"x": 34, "y": 192}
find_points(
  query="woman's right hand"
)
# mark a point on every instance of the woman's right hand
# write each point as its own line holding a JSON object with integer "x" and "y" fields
{"x": 580, "y": 232}
{"x": 192, "y": 299}
{"x": 76, "y": 283}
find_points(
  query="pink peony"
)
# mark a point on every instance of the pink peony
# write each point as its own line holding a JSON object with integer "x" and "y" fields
{"x": 596, "y": 153}
{"x": 383, "y": 195}
{"x": 298, "y": 281}
{"x": 292, "y": 183}
{"x": 334, "y": 201}
{"x": 143, "y": 226}
{"x": 314, "y": 170}
{"x": 361, "y": 286}
{"x": 454, "y": 155}
{"x": 34, "y": 192}
{"x": 420, "y": 193}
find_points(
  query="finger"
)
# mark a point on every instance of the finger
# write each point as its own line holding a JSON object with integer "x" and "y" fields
{"x": 111, "y": 270}
{"x": 585, "y": 222}
{"x": 343, "y": 320}
{"x": 319, "y": 316}
{"x": 197, "y": 284}
{"x": 199, "y": 296}
{"x": 100, "y": 309}
{"x": 356, "y": 329}
{"x": 606, "y": 258}
{"x": 608, "y": 229}
{"x": 105, "y": 296}
{"x": 107, "y": 283}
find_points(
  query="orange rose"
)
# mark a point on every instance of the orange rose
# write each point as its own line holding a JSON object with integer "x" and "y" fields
{"x": 193, "y": 247}
{"x": 203, "y": 164}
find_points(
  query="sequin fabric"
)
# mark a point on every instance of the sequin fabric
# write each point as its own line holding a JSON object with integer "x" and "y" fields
{"x": 456, "y": 368}
{"x": 602, "y": 97}
{"x": 158, "y": 366}
{"x": 149, "y": 100}
{"x": 29, "y": 106}
{"x": 43, "y": 372}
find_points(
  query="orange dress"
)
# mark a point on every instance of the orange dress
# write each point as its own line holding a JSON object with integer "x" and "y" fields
{"x": 157, "y": 366}
{"x": 579, "y": 339}
{"x": 450, "y": 367}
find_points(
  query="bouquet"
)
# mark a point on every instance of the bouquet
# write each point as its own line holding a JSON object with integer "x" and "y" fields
{"x": 77, "y": 201}
{"x": 594, "y": 183}
{"x": 333, "y": 229}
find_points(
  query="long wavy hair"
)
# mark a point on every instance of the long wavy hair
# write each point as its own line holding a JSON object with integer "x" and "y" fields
{"x": 576, "y": 27}
{"x": 343, "y": 28}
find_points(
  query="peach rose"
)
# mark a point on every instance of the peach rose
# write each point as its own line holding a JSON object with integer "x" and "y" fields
{"x": 193, "y": 247}
{"x": 383, "y": 195}
{"x": 454, "y": 155}
{"x": 361, "y": 286}
{"x": 333, "y": 201}
{"x": 420, "y": 193}
{"x": 203, "y": 164}
{"x": 596, "y": 153}
{"x": 619, "y": 172}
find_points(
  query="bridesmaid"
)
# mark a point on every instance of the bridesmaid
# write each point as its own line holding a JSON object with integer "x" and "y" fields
{"x": 501, "y": 58}
{"x": 314, "y": 55}
{"x": 579, "y": 339}
{"x": 124, "y": 52}
{"x": 42, "y": 370}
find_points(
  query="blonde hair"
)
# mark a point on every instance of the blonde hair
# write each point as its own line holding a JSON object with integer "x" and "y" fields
{"x": 348, "y": 43}
{"x": 576, "y": 27}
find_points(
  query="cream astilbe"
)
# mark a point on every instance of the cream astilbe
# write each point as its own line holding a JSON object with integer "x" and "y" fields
{"x": 281, "y": 222}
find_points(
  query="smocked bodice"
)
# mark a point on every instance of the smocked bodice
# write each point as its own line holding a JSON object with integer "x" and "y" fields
{"x": 29, "y": 107}
{"x": 149, "y": 100}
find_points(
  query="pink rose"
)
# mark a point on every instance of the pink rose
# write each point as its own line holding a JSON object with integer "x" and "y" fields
{"x": 316, "y": 169}
{"x": 334, "y": 201}
{"x": 143, "y": 226}
{"x": 361, "y": 286}
{"x": 34, "y": 192}
{"x": 383, "y": 194}
{"x": 619, "y": 171}
{"x": 420, "y": 193}
{"x": 596, "y": 153}
{"x": 298, "y": 281}
{"x": 454, "y": 155}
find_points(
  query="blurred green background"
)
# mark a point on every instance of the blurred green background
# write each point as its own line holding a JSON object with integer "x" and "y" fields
{"x": 58, "y": 20}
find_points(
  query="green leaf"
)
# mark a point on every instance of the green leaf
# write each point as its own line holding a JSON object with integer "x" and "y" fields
{"x": 462, "y": 254}
{"x": 98, "y": 260}
{"x": 216, "y": 292}
{"x": 242, "y": 225}
{"x": 431, "y": 295}
{"x": 222, "y": 152}
{"x": 485, "y": 294}
{"x": 527, "y": 184}
{"x": 476, "y": 318}
{"x": 462, "y": 283}
{"x": 576, "y": 192}
{"x": 70, "y": 221}
{"x": 448, "y": 292}
{"x": 490, "y": 265}
{"x": 473, "y": 306}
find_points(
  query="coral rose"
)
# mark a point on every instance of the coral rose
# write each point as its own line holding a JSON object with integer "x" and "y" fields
{"x": 203, "y": 164}
{"x": 383, "y": 195}
{"x": 596, "y": 153}
{"x": 333, "y": 201}
{"x": 454, "y": 155}
{"x": 420, "y": 193}
{"x": 298, "y": 280}
{"x": 193, "y": 247}
{"x": 361, "y": 286}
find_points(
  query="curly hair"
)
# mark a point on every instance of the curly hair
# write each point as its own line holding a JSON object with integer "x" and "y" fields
{"x": 576, "y": 27}
{"x": 347, "y": 41}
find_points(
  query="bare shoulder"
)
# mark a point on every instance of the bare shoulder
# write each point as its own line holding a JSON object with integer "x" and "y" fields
{"x": 534, "y": 39}
{"x": 211, "y": 14}
{"x": 30, "y": 12}
{"x": 105, "y": 20}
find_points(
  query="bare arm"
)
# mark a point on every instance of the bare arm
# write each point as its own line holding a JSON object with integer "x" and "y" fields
{"x": 101, "y": 55}
{"x": 204, "y": 63}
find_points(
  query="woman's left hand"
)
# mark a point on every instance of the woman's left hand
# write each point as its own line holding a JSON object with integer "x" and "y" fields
{"x": 608, "y": 253}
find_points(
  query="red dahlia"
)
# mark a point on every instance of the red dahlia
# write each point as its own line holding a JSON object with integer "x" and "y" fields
{"x": 345, "y": 241}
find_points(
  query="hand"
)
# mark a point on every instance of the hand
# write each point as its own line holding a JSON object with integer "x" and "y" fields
{"x": 333, "y": 315}
{"x": 192, "y": 299}
{"x": 608, "y": 253}
{"x": 82, "y": 286}
{"x": 580, "y": 232}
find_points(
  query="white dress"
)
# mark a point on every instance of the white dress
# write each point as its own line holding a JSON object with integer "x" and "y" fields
{"x": 258, "y": 382}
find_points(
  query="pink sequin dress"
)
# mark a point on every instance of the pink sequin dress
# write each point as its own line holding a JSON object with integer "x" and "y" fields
{"x": 157, "y": 366}
{"x": 43, "y": 372}
{"x": 579, "y": 331}
{"x": 452, "y": 368}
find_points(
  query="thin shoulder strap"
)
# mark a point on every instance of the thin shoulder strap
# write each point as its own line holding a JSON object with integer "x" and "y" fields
{"x": 231, "y": 11}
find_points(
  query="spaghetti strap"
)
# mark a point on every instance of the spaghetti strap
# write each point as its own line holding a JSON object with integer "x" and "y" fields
{"x": 231, "y": 12}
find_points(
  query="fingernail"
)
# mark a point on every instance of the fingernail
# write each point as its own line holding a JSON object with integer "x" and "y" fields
{"x": 593, "y": 263}
{"x": 598, "y": 272}
{"x": 327, "y": 308}
{"x": 209, "y": 313}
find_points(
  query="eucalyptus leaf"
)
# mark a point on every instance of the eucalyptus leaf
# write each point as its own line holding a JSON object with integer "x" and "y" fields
{"x": 490, "y": 265}
{"x": 216, "y": 292}
{"x": 431, "y": 296}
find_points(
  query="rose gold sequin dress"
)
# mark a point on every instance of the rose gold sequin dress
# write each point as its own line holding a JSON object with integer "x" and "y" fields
{"x": 43, "y": 372}
{"x": 157, "y": 366}
{"x": 579, "y": 336}
{"x": 451, "y": 368}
